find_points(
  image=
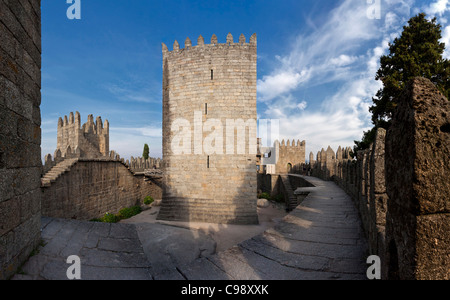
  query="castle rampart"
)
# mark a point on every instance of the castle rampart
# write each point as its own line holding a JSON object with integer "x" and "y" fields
{"x": 400, "y": 185}
{"x": 109, "y": 187}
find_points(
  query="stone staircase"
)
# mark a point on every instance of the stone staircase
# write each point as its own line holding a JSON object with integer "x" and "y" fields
{"x": 56, "y": 172}
{"x": 291, "y": 199}
{"x": 205, "y": 210}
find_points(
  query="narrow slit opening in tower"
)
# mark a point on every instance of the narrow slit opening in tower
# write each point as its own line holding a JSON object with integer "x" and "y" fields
{"x": 206, "y": 108}
{"x": 207, "y": 162}
{"x": 212, "y": 74}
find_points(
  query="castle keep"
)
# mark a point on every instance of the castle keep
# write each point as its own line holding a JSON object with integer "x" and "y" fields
{"x": 90, "y": 140}
{"x": 210, "y": 173}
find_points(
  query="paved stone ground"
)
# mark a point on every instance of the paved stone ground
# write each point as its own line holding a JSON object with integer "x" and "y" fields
{"x": 320, "y": 239}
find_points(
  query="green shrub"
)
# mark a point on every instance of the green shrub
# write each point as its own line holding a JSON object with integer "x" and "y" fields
{"x": 126, "y": 213}
{"x": 148, "y": 200}
{"x": 110, "y": 218}
{"x": 264, "y": 196}
{"x": 278, "y": 198}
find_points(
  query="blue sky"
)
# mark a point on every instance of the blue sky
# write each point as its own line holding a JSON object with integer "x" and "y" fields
{"x": 316, "y": 62}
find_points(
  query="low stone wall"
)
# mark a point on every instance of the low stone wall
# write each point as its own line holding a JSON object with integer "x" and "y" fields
{"x": 93, "y": 187}
{"x": 268, "y": 183}
{"x": 283, "y": 184}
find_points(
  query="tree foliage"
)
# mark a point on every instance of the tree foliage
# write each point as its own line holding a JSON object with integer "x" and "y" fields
{"x": 146, "y": 152}
{"x": 417, "y": 52}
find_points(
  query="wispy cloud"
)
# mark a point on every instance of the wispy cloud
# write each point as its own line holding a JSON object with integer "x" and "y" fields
{"x": 334, "y": 53}
{"x": 446, "y": 39}
{"x": 129, "y": 141}
{"x": 441, "y": 9}
{"x": 130, "y": 94}
{"x": 438, "y": 8}
{"x": 148, "y": 131}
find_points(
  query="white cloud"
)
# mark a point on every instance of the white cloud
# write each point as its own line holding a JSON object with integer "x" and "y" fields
{"x": 130, "y": 94}
{"x": 446, "y": 39}
{"x": 343, "y": 60}
{"x": 438, "y": 8}
{"x": 324, "y": 55}
{"x": 302, "y": 105}
{"x": 275, "y": 85}
{"x": 333, "y": 53}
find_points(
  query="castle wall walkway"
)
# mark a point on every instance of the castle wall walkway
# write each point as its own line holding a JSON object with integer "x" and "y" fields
{"x": 320, "y": 239}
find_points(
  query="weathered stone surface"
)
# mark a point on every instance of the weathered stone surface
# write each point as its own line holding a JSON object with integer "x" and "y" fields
{"x": 109, "y": 187}
{"x": 168, "y": 247}
{"x": 20, "y": 136}
{"x": 433, "y": 244}
{"x": 417, "y": 168}
{"x": 418, "y": 150}
{"x": 263, "y": 203}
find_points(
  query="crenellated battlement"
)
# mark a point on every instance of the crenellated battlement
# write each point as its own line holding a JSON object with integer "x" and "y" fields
{"x": 74, "y": 122}
{"x": 285, "y": 157}
{"x": 90, "y": 140}
{"x": 293, "y": 143}
{"x": 213, "y": 45}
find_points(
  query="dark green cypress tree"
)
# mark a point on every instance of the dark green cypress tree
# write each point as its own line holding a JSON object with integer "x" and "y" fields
{"x": 417, "y": 52}
{"x": 146, "y": 152}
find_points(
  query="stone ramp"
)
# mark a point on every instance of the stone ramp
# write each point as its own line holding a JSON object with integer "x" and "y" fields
{"x": 320, "y": 239}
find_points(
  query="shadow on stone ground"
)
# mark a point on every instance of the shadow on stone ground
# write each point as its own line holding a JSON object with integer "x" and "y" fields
{"x": 321, "y": 239}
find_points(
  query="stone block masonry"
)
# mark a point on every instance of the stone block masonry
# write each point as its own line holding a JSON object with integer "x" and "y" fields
{"x": 20, "y": 133}
{"x": 200, "y": 84}
{"x": 88, "y": 188}
{"x": 417, "y": 182}
{"x": 90, "y": 140}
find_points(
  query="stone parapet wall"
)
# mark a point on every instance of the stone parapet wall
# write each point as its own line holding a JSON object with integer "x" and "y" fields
{"x": 140, "y": 164}
{"x": 93, "y": 187}
{"x": 20, "y": 133}
{"x": 417, "y": 184}
{"x": 135, "y": 165}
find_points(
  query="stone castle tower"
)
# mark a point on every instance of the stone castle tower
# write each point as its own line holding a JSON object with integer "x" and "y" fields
{"x": 291, "y": 155}
{"x": 90, "y": 140}
{"x": 209, "y": 131}
{"x": 282, "y": 158}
